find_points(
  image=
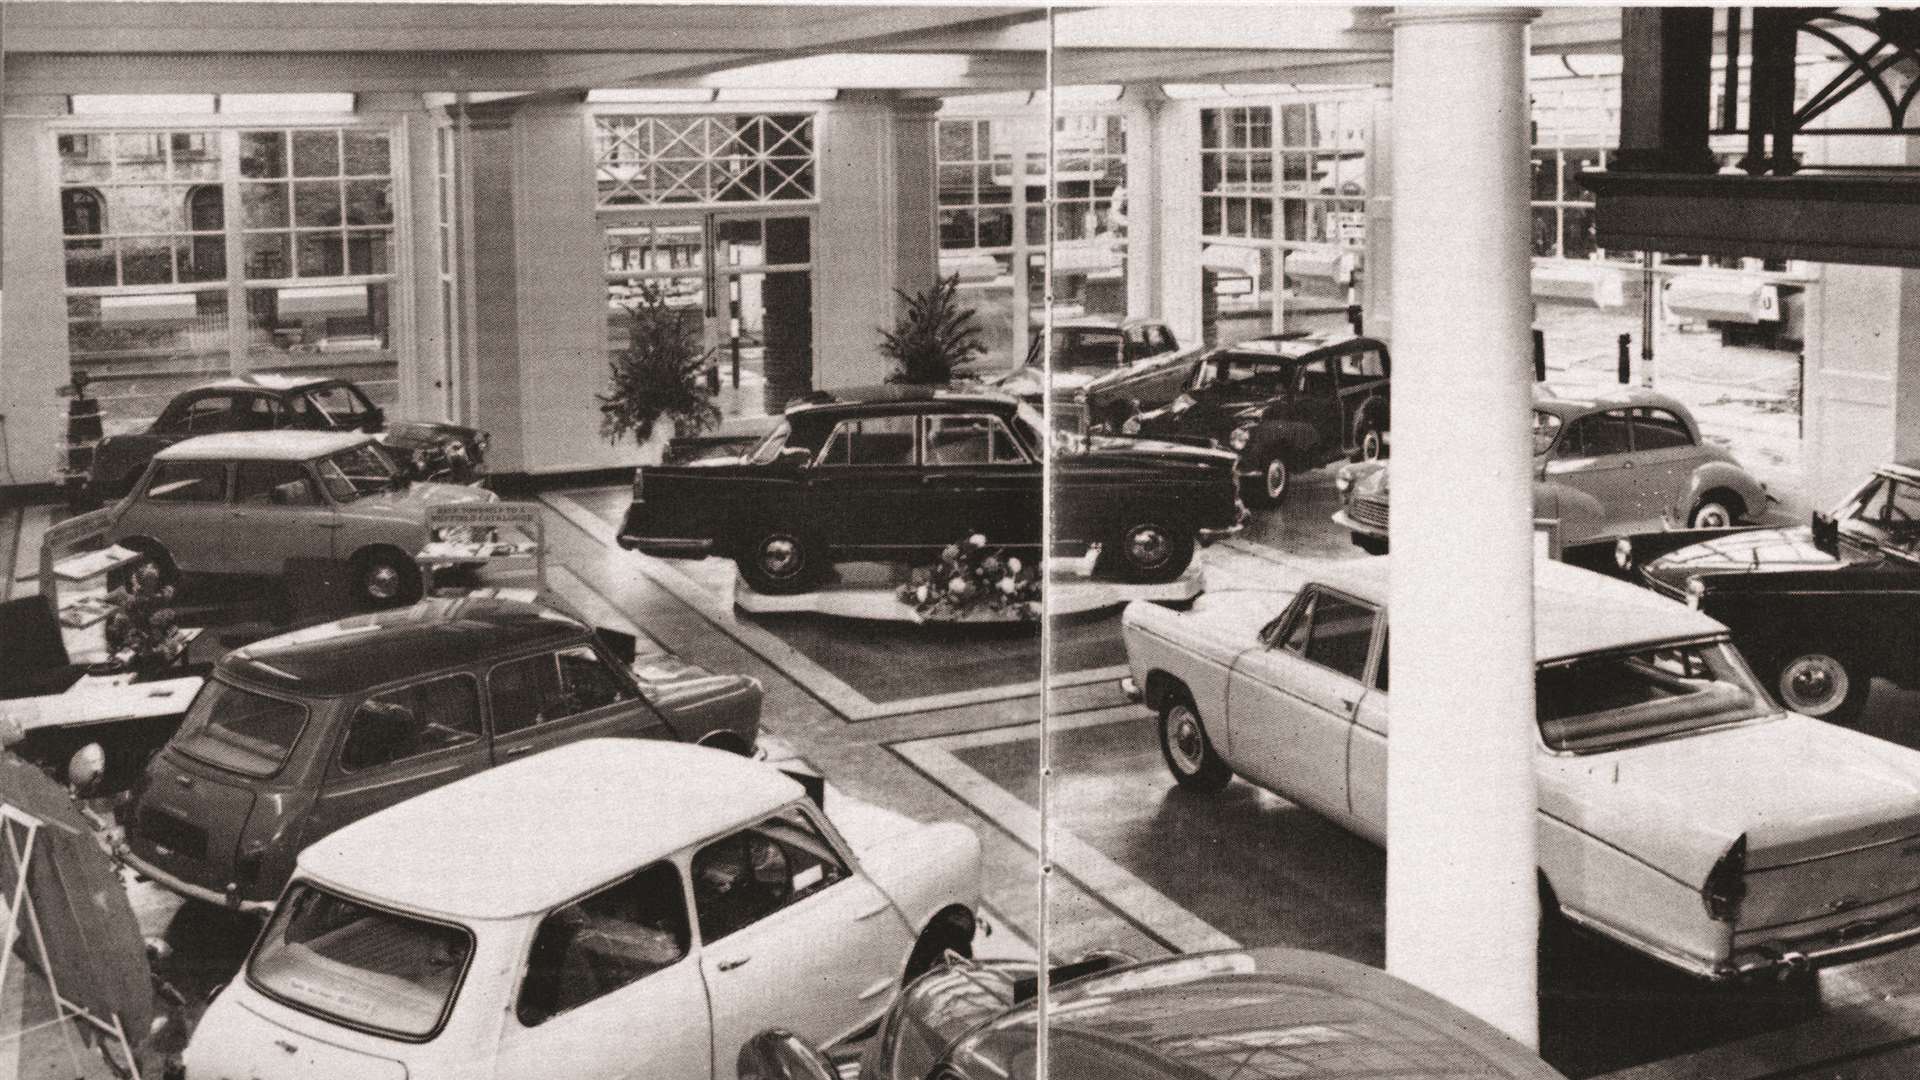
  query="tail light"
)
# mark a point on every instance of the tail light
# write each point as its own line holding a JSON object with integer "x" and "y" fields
{"x": 1727, "y": 884}
{"x": 639, "y": 483}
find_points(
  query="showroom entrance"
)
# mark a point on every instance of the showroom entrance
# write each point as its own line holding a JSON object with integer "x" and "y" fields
{"x": 742, "y": 283}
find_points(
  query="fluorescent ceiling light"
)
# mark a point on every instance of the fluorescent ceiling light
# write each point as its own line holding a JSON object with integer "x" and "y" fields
{"x": 882, "y": 71}
{"x": 286, "y": 103}
{"x": 1089, "y": 93}
{"x": 970, "y": 103}
{"x": 795, "y": 93}
{"x": 1185, "y": 91}
{"x": 650, "y": 95}
{"x": 140, "y": 104}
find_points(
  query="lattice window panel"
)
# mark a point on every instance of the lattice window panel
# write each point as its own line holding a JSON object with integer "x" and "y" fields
{"x": 696, "y": 160}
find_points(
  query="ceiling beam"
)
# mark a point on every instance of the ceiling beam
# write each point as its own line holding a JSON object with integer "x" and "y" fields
{"x": 235, "y": 73}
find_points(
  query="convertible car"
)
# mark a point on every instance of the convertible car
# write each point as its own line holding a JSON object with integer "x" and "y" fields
{"x": 1681, "y": 812}
{"x": 900, "y": 472}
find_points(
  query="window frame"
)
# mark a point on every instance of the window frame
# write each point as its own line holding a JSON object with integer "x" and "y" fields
{"x": 1651, "y": 415}
{"x": 315, "y": 497}
{"x": 153, "y": 480}
{"x": 681, "y": 879}
{"x": 818, "y": 828}
{"x": 338, "y": 757}
{"x": 826, "y": 445}
{"x": 994, "y": 421}
{"x": 552, "y": 653}
{"x": 1281, "y": 628}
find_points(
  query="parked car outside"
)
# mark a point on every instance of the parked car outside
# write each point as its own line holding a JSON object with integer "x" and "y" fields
{"x": 1819, "y": 610}
{"x": 609, "y": 909}
{"x": 1681, "y": 812}
{"x": 1254, "y": 1013}
{"x": 246, "y": 503}
{"x": 424, "y": 449}
{"x": 298, "y": 735}
{"x": 900, "y": 472}
{"x": 1284, "y": 404}
{"x": 1102, "y": 370}
{"x": 1621, "y": 462}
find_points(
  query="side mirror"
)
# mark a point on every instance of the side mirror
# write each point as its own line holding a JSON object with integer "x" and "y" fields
{"x": 782, "y": 1055}
{"x": 377, "y": 418}
{"x": 1826, "y": 533}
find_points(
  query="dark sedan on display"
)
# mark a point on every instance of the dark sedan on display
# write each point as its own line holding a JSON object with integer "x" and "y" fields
{"x": 901, "y": 472}
{"x": 422, "y": 450}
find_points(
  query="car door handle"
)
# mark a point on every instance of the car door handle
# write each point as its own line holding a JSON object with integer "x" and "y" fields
{"x": 1348, "y": 706}
{"x": 736, "y": 962}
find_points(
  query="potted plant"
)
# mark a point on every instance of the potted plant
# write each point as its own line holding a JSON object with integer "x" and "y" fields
{"x": 932, "y": 336}
{"x": 661, "y": 373}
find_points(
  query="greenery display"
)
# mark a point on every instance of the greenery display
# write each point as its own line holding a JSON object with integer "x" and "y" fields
{"x": 932, "y": 336}
{"x": 973, "y": 582}
{"x": 662, "y": 373}
{"x": 142, "y": 630}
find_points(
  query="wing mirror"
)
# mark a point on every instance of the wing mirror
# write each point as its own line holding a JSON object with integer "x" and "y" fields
{"x": 1826, "y": 533}
{"x": 376, "y": 418}
{"x": 782, "y": 1055}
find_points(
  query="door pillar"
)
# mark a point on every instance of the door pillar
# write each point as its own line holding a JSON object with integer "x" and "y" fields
{"x": 1462, "y": 909}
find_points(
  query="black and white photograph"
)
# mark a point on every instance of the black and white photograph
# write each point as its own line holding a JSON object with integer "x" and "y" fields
{"x": 846, "y": 540}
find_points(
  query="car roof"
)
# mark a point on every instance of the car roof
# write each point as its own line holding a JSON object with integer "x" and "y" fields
{"x": 1260, "y": 1014}
{"x": 350, "y": 655}
{"x": 262, "y": 445}
{"x": 880, "y": 398}
{"x": 1569, "y": 403}
{"x": 1294, "y": 345}
{"x": 1103, "y": 322}
{"x": 1575, "y": 611}
{"x": 530, "y": 835}
{"x": 277, "y": 383}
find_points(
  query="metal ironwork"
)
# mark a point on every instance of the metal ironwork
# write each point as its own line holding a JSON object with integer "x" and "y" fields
{"x": 1877, "y": 51}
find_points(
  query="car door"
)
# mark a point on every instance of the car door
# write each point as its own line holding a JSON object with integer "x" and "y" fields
{"x": 609, "y": 988}
{"x": 397, "y": 744}
{"x": 865, "y": 487}
{"x": 1291, "y": 700}
{"x": 183, "y": 505}
{"x": 1363, "y": 377}
{"x": 1317, "y": 401}
{"x": 979, "y": 480}
{"x": 277, "y": 514}
{"x": 1367, "y": 754}
{"x": 1595, "y": 456}
{"x": 1664, "y": 457}
{"x": 791, "y": 935}
{"x": 560, "y": 696}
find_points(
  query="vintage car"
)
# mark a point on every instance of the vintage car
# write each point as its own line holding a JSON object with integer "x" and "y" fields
{"x": 608, "y": 909}
{"x": 1202, "y": 1015}
{"x": 1818, "y": 610}
{"x": 1285, "y": 404}
{"x": 424, "y": 450}
{"x": 1101, "y": 371}
{"x": 1621, "y": 462}
{"x": 900, "y": 472}
{"x": 1681, "y": 812}
{"x": 246, "y": 503}
{"x": 297, "y": 735}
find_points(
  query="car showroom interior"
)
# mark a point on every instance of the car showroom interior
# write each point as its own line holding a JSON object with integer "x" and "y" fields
{"x": 828, "y": 540}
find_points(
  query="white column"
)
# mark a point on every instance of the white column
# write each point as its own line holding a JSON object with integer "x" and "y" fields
{"x": 1461, "y": 903}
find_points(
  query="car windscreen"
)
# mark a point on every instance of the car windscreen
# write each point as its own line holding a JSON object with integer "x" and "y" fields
{"x": 769, "y": 448}
{"x": 359, "y": 471}
{"x": 1606, "y": 700}
{"x": 240, "y": 730}
{"x": 1075, "y": 347}
{"x": 1546, "y": 428}
{"x": 1264, "y": 374}
{"x": 1888, "y": 506}
{"x": 370, "y": 969}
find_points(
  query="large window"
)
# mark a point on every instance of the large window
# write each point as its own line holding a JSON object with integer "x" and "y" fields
{"x": 198, "y": 250}
{"x": 1574, "y": 127}
{"x": 679, "y": 160}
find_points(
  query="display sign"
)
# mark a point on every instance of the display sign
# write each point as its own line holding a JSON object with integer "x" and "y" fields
{"x": 1348, "y": 227}
{"x": 493, "y": 515}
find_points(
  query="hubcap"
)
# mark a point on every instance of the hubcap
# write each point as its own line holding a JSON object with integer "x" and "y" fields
{"x": 1370, "y": 446}
{"x": 383, "y": 582}
{"x": 1185, "y": 744}
{"x": 780, "y": 556}
{"x": 1276, "y": 478}
{"x": 1712, "y": 516}
{"x": 1147, "y": 545}
{"x": 1814, "y": 684}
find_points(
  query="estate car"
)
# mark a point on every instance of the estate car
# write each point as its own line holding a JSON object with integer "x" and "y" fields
{"x": 297, "y": 735}
{"x": 900, "y": 472}
{"x": 1284, "y": 404}
{"x": 1101, "y": 370}
{"x": 246, "y": 503}
{"x": 425, "y": 450}
{"x": 608, "y": 909}
{"x": 1681, "y": 812}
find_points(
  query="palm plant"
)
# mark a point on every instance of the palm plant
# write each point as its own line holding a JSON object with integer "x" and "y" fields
{"x": 662, "y": 372}
{"x": 932, "y": 336}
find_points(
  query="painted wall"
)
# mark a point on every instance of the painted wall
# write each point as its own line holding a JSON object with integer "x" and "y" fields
{"x": 33, "y": 335}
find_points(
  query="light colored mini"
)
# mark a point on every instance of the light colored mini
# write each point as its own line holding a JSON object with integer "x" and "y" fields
{"x": 611, "y": 908}
{"x": 1681, "y": 812}
{"x": 245, "y": 503}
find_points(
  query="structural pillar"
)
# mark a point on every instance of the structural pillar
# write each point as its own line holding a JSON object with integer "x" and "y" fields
{"x": 1462, "y": 906}
{"x": 1664, "y": 109}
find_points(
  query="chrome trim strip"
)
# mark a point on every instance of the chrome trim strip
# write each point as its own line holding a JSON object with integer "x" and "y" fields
{"x": 192, "y": 891}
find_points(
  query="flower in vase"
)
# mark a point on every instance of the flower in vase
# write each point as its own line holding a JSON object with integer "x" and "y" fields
{"x": 990, "y": 566}
{"x": 959, "y": 586}
{"x": 1013, "y": 565}
{"x": 922, "y": 591}
{"x": 1008, "y": 586}
{"x": 977, "y": 541}
{"x": 950, "y": 553}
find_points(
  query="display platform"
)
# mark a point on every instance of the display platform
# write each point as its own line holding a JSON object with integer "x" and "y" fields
{"x": 864, "y": 590}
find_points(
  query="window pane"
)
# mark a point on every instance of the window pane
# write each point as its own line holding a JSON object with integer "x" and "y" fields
{"x": 611, "y": 939}
{"x": 146, "y": 208}
{"x": 196, "y": 155}
{"x": 263, "y": 154}
{"x": 90, "y": 262}
{"x": 263, "y": 206}
{"x": 369, "y": 202}
{"x": 1578, "y": 236}
{"x": 139, "y": 155}
{"x": 959, "y": 440}
{"x": 201, "y": 258}
{"x": 316, "y": 153}
{"x": 1342, "y": 634}
{"x": 269, "y": 255}
{"x": 146, "y": 260}
{"x": 316, "y": 204}
{"x": 327, "y": 319}
{"x": 366, "y": 153}
{"x": 517, "y": 691}
{"x": 587, "y": 683}
{"x": 414, "y": 720}
{"x": 320, "y": 254}
{"x": 369, "y": 251}
{"x": 188, "y": 481}
{"x": 885, "y": 440}
{"x": 995, "y": 227}
{"x": 84, "y": 158}
{"x": 1545, "y": 166}
{"x": 1657, "y": 429}
{"x": 743, "y": 878}
{"x": 270, "y": 483}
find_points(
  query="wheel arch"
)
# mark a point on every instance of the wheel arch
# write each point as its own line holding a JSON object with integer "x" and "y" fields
{"x": 725, "y": 740}
{"x": 1160, "y": 686}
{"x": 951, "y": 927}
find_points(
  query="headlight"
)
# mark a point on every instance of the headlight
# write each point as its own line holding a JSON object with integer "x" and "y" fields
{"x": 1130, "y": 426}
{"x": 456, "y": 453}
{"x": 1238, "y": 440}
{"x": 1696, "y": 588}
{"x": 1623, "y": 553}
{"x": 1342, "y": 483}
{"x": 420, "y": 459}
{"x": 483, "y": 441}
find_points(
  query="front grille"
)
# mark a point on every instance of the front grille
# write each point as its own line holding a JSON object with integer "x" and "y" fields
{"x": 1368, "y": 511}
{"x": 164, "y": 830}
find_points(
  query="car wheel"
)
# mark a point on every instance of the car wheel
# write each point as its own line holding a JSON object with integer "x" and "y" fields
{"x": 156, "y": 553}
{"x": 1189, "y": 754}
{"x": 783, "y": 560}
{"x": 1269, "y": 488}
{"x": 1370, "y": 443}
{"x": 385, "y": 579}
{"x": 1715, "y": 511}
{"x": 1823, "y": 686}
{"x": 1150, "y": 551}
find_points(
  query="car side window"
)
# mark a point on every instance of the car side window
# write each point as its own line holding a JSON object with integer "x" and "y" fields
{"x": 273, "y": 483}
{"x": 346, "y": 408}
{"x": 603, "y": 942}
{"x": 547, "y": 687}
{"x": 970, "y": 440}
{"x": 588, "y": 681}
{"x": 1334, "y": 632}
{"x": 254, "y": 412}
{"x": 1596, "y": 436}
{"x": 1380, "y": 665}
{"x": 1161, "y": 340}
{"x": 1362, "y": 364}
{"x": 1316, "y": 379}
{"x": 188, "y": 482}
{"x": 420, "y": 719}
{"x": 1658, "y": 429}
{"x": 211, "y": 415}
{"x": 872, "y": 440}
{"x": 743, "y": 878}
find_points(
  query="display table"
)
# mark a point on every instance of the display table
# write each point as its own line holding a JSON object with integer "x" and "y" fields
{"x": 75, "y": 581}
{"x": 504, "y": 535}
{"x": 870, "y": 591}
{"x": 100, "y": 699}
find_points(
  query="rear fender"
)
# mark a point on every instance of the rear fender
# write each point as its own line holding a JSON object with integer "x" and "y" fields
{"x": 1721, "y": 474}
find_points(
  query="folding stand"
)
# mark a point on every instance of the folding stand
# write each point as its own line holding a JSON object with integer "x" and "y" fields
{"x": 22, "y": 831}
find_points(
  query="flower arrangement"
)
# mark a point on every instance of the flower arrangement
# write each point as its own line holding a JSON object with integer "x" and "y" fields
{"x": 973, "y": 581}
{"x": 143, "y": 630}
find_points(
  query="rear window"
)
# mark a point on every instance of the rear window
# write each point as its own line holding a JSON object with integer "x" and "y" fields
{"x": 370, "y": 969}
{"x": 241, "y": 730}
{"x": 1599, "y": 702}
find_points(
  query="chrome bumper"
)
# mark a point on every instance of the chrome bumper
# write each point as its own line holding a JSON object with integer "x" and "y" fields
{"x": 1208, "y": 536}
{"x": 1131, "y": 689}
{"x": 1352, "y": 525}
{"x": 191, "y": 891}
{"x": 1855, "y": 941}
{"x": 667, "y": 548}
